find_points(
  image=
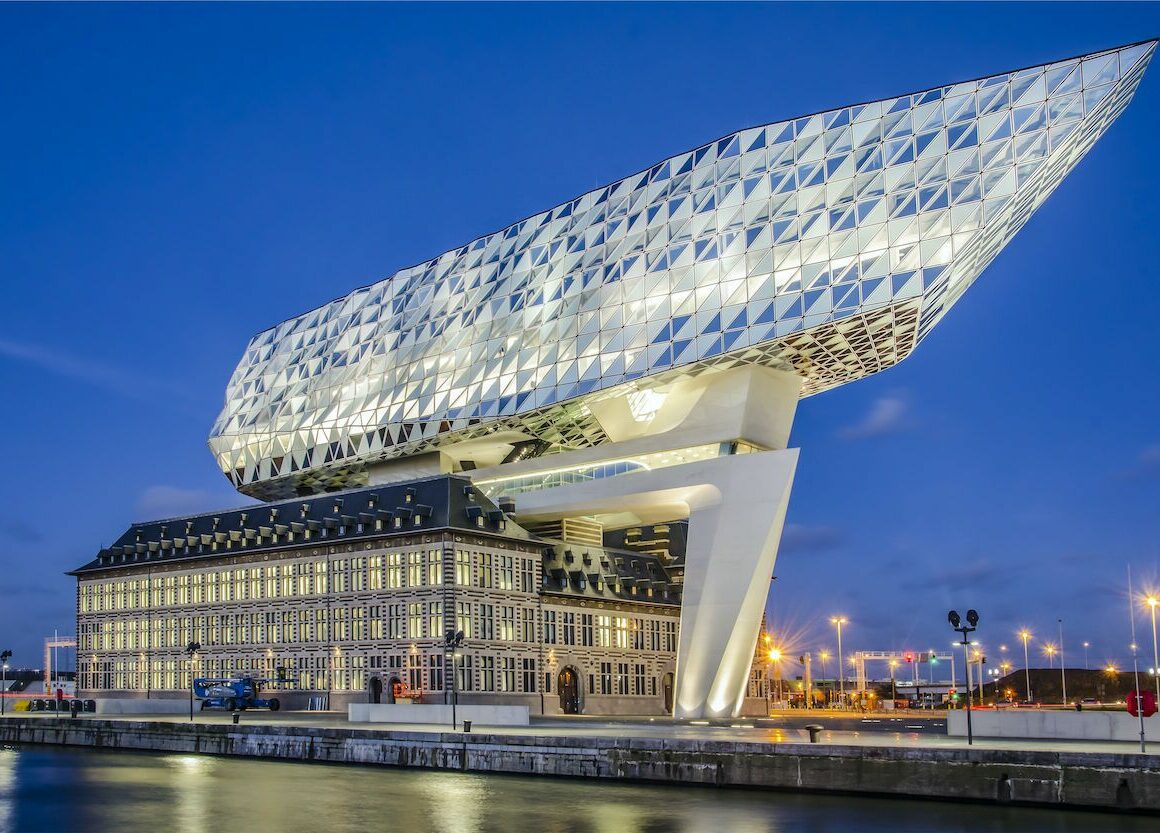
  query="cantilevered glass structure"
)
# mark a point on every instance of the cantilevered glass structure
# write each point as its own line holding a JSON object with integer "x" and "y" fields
{"x": 635, "y": 355}
{"x": 828, "y": 245}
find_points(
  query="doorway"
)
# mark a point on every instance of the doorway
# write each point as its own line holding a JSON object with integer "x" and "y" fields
{"x": 376, "y": 689}
{"x": 667, "y": 689}
{"x": 568, "y": 686}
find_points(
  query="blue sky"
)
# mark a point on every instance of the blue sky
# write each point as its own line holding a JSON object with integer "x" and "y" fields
{"x": 177, "y": 178}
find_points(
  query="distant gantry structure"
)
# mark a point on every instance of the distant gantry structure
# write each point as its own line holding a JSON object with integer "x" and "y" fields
{"x": 634, "y": 356}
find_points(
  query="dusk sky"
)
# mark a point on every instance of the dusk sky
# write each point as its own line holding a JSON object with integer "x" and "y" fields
{"x": 175, "y": 179}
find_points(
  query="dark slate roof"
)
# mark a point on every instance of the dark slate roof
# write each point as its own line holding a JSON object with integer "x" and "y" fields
{"x": 643, "y": 536}
{"x": 442, "y": 502}
{"x": 573, "y": 569}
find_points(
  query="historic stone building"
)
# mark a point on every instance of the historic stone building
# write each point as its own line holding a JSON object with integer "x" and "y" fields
{"x": 348, "y": 597}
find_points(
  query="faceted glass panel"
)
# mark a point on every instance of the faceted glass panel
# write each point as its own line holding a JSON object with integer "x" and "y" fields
{"x": 828, "y": 244}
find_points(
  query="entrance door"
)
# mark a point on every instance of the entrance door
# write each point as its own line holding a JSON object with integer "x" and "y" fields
{"x": 667, "y": 686}
{"x": 568, "y": 685}
{"x": 376, "y": 689}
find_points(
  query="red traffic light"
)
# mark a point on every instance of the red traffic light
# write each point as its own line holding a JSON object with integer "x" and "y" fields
{"x": 909, "y": 656}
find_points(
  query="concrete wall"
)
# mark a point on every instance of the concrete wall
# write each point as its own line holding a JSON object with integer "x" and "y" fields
{"x": 1065, "y": 725}
{"x": 438, "y": 714}
{"x": 112, "y": 705}
{"x": 1075, "y": 779}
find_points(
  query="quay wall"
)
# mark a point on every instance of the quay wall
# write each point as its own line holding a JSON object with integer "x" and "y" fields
{"x": 1063, "y": 725}
{"x": 1110, "y": 781}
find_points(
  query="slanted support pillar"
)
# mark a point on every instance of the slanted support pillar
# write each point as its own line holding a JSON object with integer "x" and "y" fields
{"x": 734, "y": 530}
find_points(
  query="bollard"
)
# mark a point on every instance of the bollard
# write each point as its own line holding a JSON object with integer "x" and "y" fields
{"x": 467, "y": 726}
{"x": 236, "y": 716}
{"x": 814, "y": 729}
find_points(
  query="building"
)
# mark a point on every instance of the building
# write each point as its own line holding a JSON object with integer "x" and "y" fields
{"x": 634, "y": 357}
{"x": 348, "y": 596}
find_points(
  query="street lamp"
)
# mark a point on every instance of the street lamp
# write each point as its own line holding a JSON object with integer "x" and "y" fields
{"x": 775, "y": 661}
{"x": 4, "y": 655}
{"x": 1049, "y": 649}
{"x": 893, "y": 692}
{"x": 452, "y": 642}
{"x": 972, "y": 623}
{"x": 839, "y": 621}
{"x": 191, "y": 651}
{"x": 1025, "y": 635}
{"x": 1086, "y": 663}
{"x": 1154, "y": 602}
{"x": 1062, "y": 664}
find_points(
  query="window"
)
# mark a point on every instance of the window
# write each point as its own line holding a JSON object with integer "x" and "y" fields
{"x": 569, "y": 628}
{"x": 394, "y": 569}
{"x": 463, "y": 618}
{"x": 529, "y": 674}
{"x": 606, "y": 678}
{"x": 415, "y": 571}
{"x": 415, "y": 620}
{"x": 435, "y": 619}
{"x": 507, "y": 623}
{"x": 506, "y": 572}
{"x": 486, "y": 673}
{"x": 604, "y": 631}
{"x": 622, "y": 678}
{"x": 586, "y": 630}
{"x": 507, "y": 674}
{"x": 527, "y": 575}
{"x": 462, "y": 568}
{"x": 486, "y": 629}
{"x": 484, "y": 578}
{"x": 550, "y": 627}
{"x": 395, "y": 621}
{"x": 435, "y": 672}
{"x": 466, "y": 673}
{"x": 670, "y": 631}
{"x": 434, "y": 567}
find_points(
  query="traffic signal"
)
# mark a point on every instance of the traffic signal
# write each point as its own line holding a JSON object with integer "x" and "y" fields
{"x": 909, "y": 656}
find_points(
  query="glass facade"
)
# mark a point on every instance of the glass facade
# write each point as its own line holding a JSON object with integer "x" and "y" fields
{"x": 828, "y": 245}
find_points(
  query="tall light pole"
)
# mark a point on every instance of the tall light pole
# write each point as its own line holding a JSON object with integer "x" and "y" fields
{"x": 1154, "y": 602}
{"x": 4, "y": 655}
{"x": 1026, "y": 635}
{"x": 452, "y": 642}
{"x": 972, "y": 623}
{"x": 839, "y": 621}
{"x": 191, "y": 651}
{"x": 1062, "y": 666}
{"x": 1086, "y": 664}
{"x": 893, "y": 691}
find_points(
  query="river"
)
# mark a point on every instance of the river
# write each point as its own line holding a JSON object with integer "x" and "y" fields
{"x": 62, "y": 790}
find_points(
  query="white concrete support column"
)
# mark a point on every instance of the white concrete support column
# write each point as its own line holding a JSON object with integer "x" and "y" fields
{"x": 734, "y": 531}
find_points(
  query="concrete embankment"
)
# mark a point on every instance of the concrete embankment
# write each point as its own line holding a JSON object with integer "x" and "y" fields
{"x": 1074, "y": 779}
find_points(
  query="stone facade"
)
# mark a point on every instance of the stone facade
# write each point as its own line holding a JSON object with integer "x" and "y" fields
{"x": 363, "y": 618}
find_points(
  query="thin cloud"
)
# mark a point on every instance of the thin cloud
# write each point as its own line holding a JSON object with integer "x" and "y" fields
{"x": 107, "y": 377}
{"x": 160, "y": 501}
{"x": 1146, "y": 464}
{"x": 796, "y": 539}
{"x": 19, "y": 531}
{"x": 888, "y": 415}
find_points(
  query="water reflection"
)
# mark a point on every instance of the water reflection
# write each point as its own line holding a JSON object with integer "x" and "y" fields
{"x": 51, "y": 789}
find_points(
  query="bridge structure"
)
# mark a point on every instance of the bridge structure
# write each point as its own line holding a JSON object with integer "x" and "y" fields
{"x": 904, "y": 667}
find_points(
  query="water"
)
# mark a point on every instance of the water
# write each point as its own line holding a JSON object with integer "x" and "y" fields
{"x": 62, "y": 790}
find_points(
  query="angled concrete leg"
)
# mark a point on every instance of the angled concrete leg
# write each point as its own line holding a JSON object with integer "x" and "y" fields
{"x": 735, "y": 525}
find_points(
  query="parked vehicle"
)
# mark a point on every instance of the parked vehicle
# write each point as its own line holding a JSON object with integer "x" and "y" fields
{"x": 233, "y": 694}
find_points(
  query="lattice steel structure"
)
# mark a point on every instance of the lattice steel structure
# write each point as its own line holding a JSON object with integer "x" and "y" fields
{"x": 828, "y": 245}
